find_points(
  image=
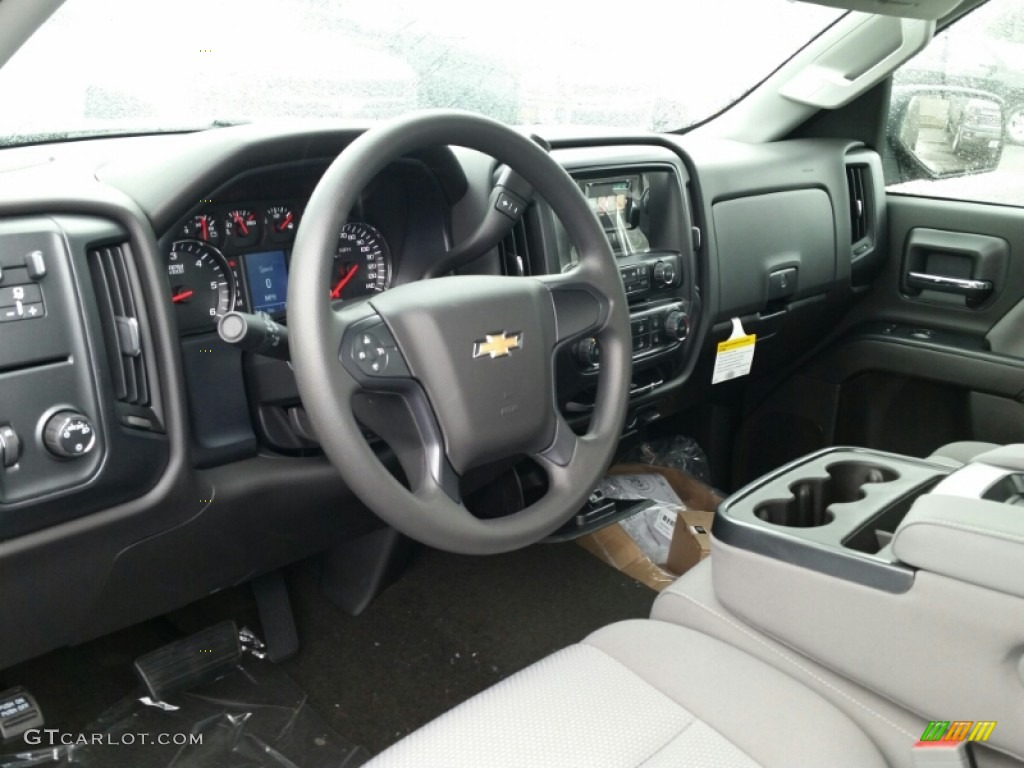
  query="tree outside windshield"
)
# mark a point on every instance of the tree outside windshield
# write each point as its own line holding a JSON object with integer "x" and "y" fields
{"x": 110, "y": 65}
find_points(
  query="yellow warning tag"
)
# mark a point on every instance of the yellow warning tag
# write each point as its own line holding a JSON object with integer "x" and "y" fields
{"x": 735, "y": 355}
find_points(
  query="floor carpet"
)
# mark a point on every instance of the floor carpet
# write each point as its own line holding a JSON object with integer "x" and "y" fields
{"x": 452, "y": 626}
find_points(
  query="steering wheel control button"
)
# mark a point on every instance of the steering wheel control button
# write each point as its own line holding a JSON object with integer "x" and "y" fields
{"x": 510, "y": 205}
{"x": 374, "y": 352}
{"x": 10, "y": 447}
{"x": 68, "y": 434}
{"x": 371, "y": 355}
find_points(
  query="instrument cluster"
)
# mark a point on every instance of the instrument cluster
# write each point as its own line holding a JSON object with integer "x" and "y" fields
{"x": 237, "y": 256}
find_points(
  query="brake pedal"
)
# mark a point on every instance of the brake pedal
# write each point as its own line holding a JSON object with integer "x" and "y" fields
{"x": 19, "y": 712}
{"x": 190, "y": 662}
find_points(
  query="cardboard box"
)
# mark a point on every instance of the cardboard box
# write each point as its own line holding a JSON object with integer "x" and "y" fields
{"x": 691, "y": 539}
{"x": 613, "y": 546}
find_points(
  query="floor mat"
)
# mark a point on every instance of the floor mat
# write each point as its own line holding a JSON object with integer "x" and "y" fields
{"x": 254, "y": 716}
{"x": 451, "y": 627}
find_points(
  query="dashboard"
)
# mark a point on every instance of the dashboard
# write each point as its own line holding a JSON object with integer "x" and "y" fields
{"x": 155, "y": 462}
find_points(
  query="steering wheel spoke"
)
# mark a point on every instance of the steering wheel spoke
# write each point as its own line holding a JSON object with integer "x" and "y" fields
{"x": 579, "y": 309}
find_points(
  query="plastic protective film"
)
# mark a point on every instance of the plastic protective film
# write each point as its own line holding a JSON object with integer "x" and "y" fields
{"x": 679, "y": 452}
{"x": 252, "y": 717}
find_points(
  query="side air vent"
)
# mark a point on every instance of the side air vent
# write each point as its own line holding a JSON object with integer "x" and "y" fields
{"x": 119, "y": 314}
{"x": 860, "y": 223}
{"x": 515, "y": 251}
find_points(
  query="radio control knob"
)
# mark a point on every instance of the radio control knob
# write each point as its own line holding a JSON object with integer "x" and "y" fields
{"x": 588, "y": 353}
{"x": 664, "y": 274}
{"x": 69, "y": 435}
{"x": 677, "y": 325}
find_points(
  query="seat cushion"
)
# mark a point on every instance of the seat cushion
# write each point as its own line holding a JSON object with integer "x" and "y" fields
{"x": 641, "y": 693}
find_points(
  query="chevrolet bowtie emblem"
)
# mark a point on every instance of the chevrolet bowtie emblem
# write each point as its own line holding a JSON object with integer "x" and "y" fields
{"x": 497, "y": 345}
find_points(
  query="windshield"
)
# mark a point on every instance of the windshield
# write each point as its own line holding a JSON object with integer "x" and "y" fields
{"x": 113, "y": 66}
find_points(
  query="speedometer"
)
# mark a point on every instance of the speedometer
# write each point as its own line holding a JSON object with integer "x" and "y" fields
{"x": 202, "y": 285}
{"x": 362, "y": 263}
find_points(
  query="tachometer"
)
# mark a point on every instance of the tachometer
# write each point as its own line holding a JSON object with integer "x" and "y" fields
{"x": 202, "y": 284}
{"x": 362, "y": 263}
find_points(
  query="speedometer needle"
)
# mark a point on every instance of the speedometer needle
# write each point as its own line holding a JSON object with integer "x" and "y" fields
{"x": 345, "y": 280}
{"x": 181, "y": 296}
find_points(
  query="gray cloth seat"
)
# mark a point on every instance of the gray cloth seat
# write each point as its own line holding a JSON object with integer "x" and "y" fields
{"x": 958, "y": 454}
{"x": 641, "y": 693}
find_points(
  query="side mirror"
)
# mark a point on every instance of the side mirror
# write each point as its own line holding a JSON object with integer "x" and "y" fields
{"x": 942, "y": 132}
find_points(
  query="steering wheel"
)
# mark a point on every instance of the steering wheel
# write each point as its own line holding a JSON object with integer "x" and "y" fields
{"x": 455, "y": 372}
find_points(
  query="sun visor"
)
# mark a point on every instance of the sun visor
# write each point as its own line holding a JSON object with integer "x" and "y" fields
{"x": 908, "y": 9}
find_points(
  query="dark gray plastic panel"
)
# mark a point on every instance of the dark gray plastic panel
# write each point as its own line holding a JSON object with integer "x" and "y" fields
{"x": 761, "y": 234}
{"x": 818, "y": 543}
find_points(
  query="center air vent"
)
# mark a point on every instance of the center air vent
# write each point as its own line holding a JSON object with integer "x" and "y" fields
{"x": 515, "y": 251}
{"x": 119, "y": 314}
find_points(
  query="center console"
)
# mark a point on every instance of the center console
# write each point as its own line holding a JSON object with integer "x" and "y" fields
{"x": 834, "y": 511}
{"x": 897, "y": 579}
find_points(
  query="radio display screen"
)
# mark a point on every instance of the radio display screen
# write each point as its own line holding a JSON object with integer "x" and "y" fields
{"x": 619, "y": 204}
{"x": 267, "y": 276}
{"x": 612, "y": 201}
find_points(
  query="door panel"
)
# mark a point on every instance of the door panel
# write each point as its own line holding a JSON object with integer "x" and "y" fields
{"x": 960, "y": 221}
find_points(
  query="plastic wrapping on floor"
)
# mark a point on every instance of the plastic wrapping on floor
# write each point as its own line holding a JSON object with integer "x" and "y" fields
{"x": 666, "y": 538}
{"x": 651, "y": 528}
{"x": 253, "y": 717}
{"x": 678, "y": 452}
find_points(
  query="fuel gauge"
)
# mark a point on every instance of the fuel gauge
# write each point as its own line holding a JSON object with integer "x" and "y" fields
{"x": 202, "y": 227}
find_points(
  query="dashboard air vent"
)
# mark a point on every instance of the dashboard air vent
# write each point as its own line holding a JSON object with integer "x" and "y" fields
{"x": 515, "y": 251}
{"x": 119, "y": 314}
{"x": 857, "y": 180}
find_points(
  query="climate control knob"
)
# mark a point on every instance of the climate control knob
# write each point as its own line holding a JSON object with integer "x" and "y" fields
{"x": 588, "y": 353}
{"x": 69, "y": 435}
{"x": 677, "y": 325}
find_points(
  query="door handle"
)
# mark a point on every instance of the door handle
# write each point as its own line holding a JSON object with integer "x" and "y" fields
{"x": 974, "y": 290}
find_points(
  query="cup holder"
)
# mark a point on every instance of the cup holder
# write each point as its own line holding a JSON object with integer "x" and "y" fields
{"x": 812, "y": 498}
